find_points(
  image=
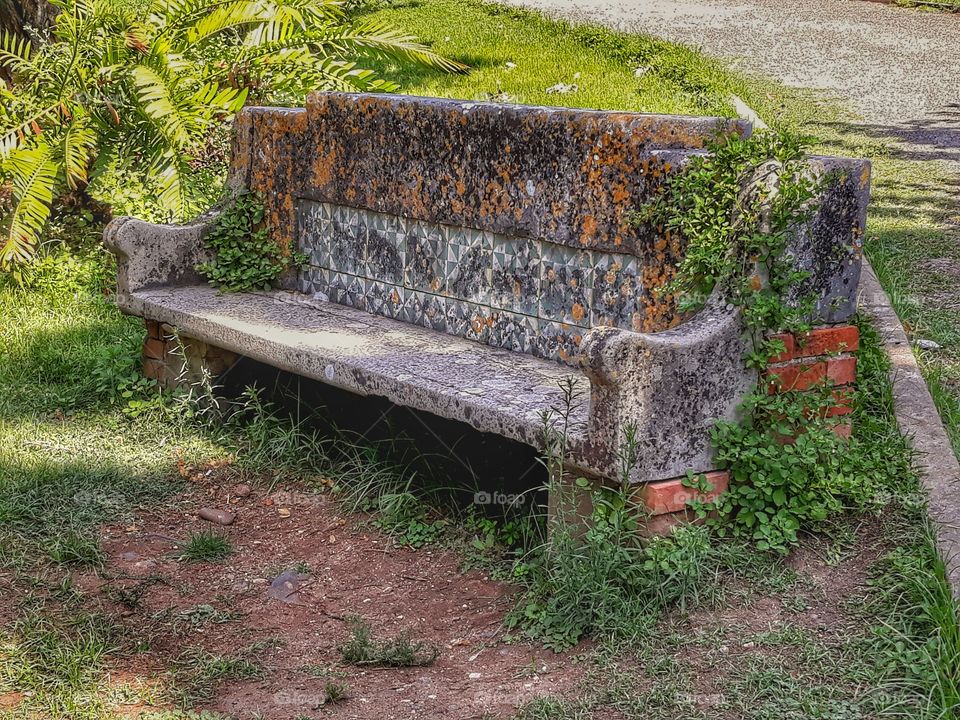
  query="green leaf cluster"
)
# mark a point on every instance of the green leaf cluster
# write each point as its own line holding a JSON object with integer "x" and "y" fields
{"x": 245, "y": 255}
{"x": 737, "y": 210}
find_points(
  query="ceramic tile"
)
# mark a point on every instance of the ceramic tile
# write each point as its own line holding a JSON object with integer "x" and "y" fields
{"x": 558, "y": 341}
{"x": 515, "y": 274}
{"x": 383, "y": 298}
{"x": 386, "y": 252}
{"x": 615, "y": 290}
{"x": 512, "y": 331}
{"x": 347, "y": 246}
{"x": 426, "y": 310}
{"x": 425, "y": 266}
{"x": 566, "y": 280}
{"x": 351, "y": 291}
{"x": 520, "y": 294}
{"x": 468, "y": 255}
{"x": 468, "y": 320}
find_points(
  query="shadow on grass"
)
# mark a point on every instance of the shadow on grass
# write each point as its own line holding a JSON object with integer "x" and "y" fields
{"x": 43, "y": 497}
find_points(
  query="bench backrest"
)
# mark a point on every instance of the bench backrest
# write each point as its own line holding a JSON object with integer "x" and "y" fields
{"x": 505, "y": 224}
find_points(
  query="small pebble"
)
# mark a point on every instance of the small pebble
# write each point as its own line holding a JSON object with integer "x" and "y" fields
{"x": 221, "y": 517}
{"x": 242, "y": 490}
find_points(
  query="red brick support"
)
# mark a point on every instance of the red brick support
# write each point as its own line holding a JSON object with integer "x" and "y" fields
{"x": 821, "y": 357}
{"x": 667, "y": 501}
{"x": 173, "y": 359}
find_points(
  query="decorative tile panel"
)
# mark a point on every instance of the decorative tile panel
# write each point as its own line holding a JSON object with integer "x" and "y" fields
{"x": 520, "y": 294}
{"x": 616, "y": 287}
{"x": 566, "y": 281}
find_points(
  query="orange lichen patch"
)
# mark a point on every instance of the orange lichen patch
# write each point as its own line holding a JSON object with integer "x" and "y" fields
{"x": 577, "y": 311}
{"x": 589, "y": 225}
{"x": 478, "y": 323}
{"x": 865, "y": 176}
{"x": 324, "y": 166}
{"x": 446, "y": 161}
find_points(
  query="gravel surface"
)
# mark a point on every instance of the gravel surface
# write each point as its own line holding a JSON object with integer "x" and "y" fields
{"x": 897, "y": 68}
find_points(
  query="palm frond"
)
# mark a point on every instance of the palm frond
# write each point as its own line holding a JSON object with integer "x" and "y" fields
{"x": 227, "y": 99}
{"x": 15, "y": 52}
{"x": 280, "y": 24}
{"x": 166, "y": 173}
{"x": 238, "y": 13}
{"x": 388, "y": 42}
{"x": 76, "y": 148}
{"x": 157, "y": 97}
{"x": 10, "y": 137}
{"x": 32, "y": 172}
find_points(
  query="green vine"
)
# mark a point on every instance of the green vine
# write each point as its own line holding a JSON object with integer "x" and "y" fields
{"x": 245, "y": 255}
{"x": 737, "y": 208}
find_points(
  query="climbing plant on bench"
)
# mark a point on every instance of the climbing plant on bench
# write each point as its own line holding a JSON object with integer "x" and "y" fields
{"x": 245, "y": 256}
{"x": 737, "y": 208}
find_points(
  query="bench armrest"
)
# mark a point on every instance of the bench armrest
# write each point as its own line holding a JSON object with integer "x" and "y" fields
{"x": 671, "y": 386}
{"x": 150, "y": 255}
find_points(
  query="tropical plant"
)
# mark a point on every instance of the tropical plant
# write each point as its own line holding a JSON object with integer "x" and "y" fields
{"x": 144, "y": 84}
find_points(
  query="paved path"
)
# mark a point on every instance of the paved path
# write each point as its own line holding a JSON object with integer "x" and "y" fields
{"x": 898, "y": 68}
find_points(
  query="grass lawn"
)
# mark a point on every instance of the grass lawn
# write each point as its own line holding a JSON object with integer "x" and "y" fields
{"x": 96, "y": 472}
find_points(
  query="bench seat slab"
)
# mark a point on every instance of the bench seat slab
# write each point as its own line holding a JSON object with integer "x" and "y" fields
{"x": 492, "y": 389}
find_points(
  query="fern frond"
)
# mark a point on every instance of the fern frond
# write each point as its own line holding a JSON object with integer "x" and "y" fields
{"x": 32, "y": 172}
{"x": 227, "y": 99}
{"x": 166, "y": 173}
{"x": 10, "y": 136}
{"x": 15, "y": 52}
{"x": 372, "y": 38}
{"x": 238, "y": 13}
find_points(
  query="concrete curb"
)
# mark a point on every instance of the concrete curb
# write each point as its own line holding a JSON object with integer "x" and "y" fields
{"x": 919, "y": 420}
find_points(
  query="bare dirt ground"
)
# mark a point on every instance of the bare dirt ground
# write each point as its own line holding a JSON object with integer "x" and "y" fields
{"x": 299, "y": 571}
{"x": 295, "y": 624}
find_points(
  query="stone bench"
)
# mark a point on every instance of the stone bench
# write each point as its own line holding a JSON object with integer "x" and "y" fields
{"x": 471, "y": 259}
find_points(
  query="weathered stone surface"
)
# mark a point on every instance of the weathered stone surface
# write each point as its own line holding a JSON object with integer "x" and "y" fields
{"x": 670, "y": 386}
{"x": 572, "y": 176}
{"x": 830, "y": 246}
{"x": 492, "y": 389}
{"x": 459, "y": 250}
{"x": 169, "y": 258}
